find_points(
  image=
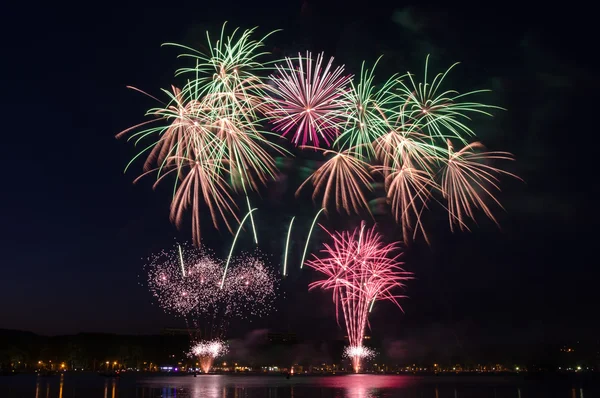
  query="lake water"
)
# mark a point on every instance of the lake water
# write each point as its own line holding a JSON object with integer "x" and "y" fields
{"x": 241, "y": 386}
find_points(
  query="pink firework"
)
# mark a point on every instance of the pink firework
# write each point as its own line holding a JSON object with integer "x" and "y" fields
{"x": 307, "y": 100}
{"x": 360, "y": 269}
{"x": 187, "y": 282}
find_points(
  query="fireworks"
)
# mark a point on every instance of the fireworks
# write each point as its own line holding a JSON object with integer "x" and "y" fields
{"x": 189, "y": 285}
{"x": 401, "y": 131}
{"x": 359, "y": 269}
{"x": 365, "y": 108}
{"x": 342, "y": 178}
{"x": 208, "y": 351}
{"x": 211, "y": 139}
{"x": 467, "y": 181}
{"x": 308, "y": 99}
{"x": 442, "y": 114}
{"x": 358, "y": 353}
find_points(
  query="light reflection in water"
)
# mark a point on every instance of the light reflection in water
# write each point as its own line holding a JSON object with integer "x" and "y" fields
{"x": 350, "y": 386}
{"x": 224, "y": 386}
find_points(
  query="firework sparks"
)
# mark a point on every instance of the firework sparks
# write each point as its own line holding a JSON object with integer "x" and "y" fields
{"x": 359, "y": 268}
{"x": 308, "y": 100}
{"x": 366, "y": 108}
{"x": 231, "y": 71}
{"x": 342, "y": 178}
{"x": 208, "y": 351}
{"x": 202, "y": 184}
{"x": 210, "y": 136}
{"x": 442, "y": 113}
{"x": 200, "y": 296}
{"x": 467, "y": 181}
{"x": 358, "y": 353}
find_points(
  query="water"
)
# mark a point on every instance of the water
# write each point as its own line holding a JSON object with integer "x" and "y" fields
{"x": 246, "y": 386}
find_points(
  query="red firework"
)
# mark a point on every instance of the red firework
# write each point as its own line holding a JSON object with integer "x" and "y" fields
{"x": 307, "y": 100}
{"x": 360, "y": 269}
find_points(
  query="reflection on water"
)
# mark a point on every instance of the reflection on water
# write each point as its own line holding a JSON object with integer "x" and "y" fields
{"x": 243, "y": 386}
{"x": 112, "y": 388}
{"x": 37, "y": 387}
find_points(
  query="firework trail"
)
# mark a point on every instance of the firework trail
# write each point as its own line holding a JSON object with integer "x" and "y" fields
{"x": 235, "y": 238}
{"x": 189, "y": 284}
{"x": 359, "y": 269}
{"x": 312, "y": 226}
{"x": 207, "y": 351}
{"x": 308, "y": 100}
{"x": 287, "y": 245}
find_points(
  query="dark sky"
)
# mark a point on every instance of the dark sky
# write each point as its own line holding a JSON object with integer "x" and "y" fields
{"x": 75, "y": 228}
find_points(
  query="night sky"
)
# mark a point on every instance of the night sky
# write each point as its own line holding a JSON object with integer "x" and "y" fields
{"x": 75, "y": 228}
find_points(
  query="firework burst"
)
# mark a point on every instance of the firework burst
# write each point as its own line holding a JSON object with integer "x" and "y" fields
{"x": 359, "y": 269}
{"x": 357, "y": 354}
{"x": 342, "y": 179}
{"x": 366, "y": 108}
{"x": 467, "y": 181}
{"x": 209, "y": 134}
{"x": 207, "y": 351}
{"x": 401, "y": 128}
{"x": 189, "y": 283}
{"x": 308, "y": 101}
{"x": 231, "y": 72}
